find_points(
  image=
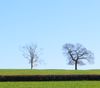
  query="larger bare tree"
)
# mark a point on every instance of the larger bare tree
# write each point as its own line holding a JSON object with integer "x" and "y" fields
{"x": 30, "y": 52}
{"x": 77, "y": 54}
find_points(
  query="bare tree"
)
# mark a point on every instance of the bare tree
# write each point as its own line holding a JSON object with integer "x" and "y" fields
{"x": 30, "y": 52}
{"x": 77, "y": 54}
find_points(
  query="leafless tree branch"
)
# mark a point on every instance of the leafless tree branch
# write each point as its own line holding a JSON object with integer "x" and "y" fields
{"x": 77, "y": 53}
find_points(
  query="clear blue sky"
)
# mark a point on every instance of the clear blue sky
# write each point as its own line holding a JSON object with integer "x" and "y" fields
{"x": 49, "y": 24}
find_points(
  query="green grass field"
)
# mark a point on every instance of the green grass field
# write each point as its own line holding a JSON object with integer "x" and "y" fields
{"x": 46, "y": 72}
{"x": 65, "y": 84}
{"x": 50, "y": 84}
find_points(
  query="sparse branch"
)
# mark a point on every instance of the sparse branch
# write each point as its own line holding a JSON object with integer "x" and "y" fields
{"x": 30, "y": 52}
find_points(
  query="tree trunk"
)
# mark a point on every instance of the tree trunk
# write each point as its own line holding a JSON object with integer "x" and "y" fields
{"x": 31, "y": 63}
{"x": 75, "y": 65}
{"x": 31, "y": 66}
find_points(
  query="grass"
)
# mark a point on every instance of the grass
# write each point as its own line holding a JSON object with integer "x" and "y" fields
{"x": 61, "y": 84}
{"x": 50, "y": 84}
{"x": 46, "y": 72}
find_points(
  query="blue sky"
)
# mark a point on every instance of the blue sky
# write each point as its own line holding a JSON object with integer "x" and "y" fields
{"x": 49, "y": 24}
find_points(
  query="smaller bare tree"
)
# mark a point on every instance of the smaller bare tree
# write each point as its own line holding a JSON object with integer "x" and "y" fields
{"x": 30, "y": 52}
{"x": 77, "y": 54}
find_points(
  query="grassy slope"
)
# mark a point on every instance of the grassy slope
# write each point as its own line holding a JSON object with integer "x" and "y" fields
{"x": 67, "y": 84}
{"x": 46, "y": 72}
